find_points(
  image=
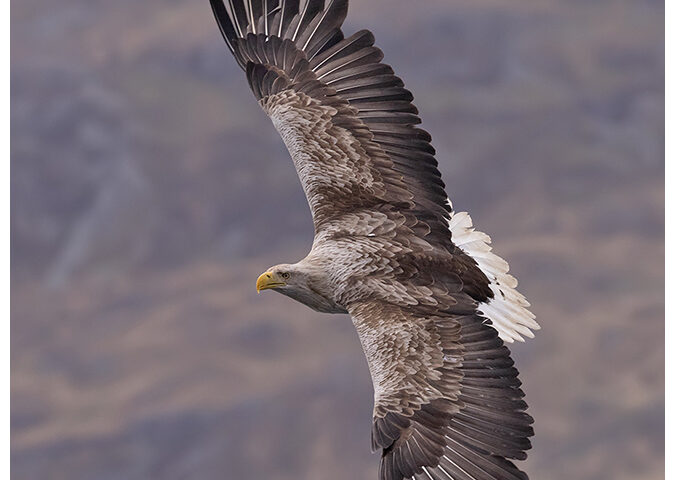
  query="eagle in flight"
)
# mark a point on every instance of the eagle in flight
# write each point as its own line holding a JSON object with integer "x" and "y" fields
{"x": 431, "y": 303}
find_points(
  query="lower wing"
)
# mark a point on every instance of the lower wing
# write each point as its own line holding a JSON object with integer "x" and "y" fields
{"x": 448, "y": 403}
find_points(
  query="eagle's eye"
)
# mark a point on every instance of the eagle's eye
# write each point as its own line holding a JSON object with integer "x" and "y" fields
{"x": 285, "y": 275}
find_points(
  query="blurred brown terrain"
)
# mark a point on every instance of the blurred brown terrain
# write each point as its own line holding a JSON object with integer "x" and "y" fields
{"x": 149, "y": 190}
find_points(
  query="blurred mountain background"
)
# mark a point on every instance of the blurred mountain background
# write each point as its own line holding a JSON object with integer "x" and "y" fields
{"x": 148, "y": 191}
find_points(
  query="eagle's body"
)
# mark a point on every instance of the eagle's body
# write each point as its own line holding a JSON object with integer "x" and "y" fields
{"x": 430, "y": 302}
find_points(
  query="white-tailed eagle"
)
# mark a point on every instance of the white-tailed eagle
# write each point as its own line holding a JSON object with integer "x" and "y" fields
{"x": 431, "y": 303}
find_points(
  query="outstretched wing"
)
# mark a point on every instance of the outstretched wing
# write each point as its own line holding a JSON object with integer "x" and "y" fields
{"x": 350, "y": 127}
{"x": 346, "y": 119}
{"x": 447, "y": 400}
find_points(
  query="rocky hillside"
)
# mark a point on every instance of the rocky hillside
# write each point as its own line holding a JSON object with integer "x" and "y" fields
{"x": 148, "y": 191}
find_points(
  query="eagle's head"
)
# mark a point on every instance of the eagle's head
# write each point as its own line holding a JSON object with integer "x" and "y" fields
{"x": 302, "y": 283}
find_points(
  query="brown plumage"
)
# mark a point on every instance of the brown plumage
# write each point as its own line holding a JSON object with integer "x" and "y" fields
{"x": 431, "y": 303}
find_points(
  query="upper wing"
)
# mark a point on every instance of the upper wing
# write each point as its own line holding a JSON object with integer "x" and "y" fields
{"x": 350, "y": 127}
{"x": 447, "y": 400}
{"x": 345, "y": 117}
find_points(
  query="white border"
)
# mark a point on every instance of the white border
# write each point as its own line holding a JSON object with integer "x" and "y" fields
{"x": 669, "y": 152}
{"x": 5, "y": 257}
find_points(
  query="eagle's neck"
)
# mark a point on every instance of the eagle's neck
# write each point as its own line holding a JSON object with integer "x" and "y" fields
{"x": 313, "y": 300}
{"x": 315, "y": 291}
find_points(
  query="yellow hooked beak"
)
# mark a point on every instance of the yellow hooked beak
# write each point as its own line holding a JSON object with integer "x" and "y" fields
{"x": 268, "y": 280}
